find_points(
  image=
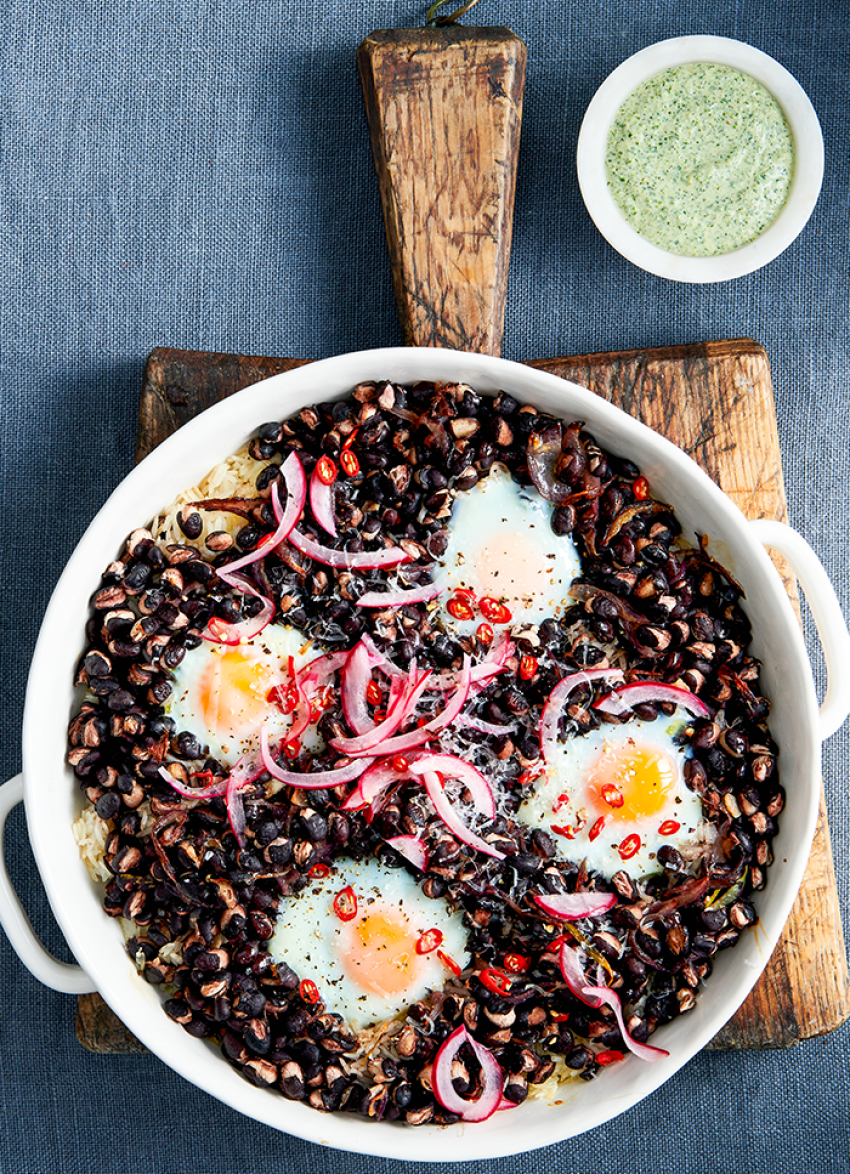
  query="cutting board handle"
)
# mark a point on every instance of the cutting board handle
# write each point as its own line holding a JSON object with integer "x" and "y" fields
{"x": 444, "y": 108}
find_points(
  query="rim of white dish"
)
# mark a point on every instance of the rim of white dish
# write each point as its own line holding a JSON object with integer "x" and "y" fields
{"x": 76, "y": 903}
{"x": 805, "y": 181}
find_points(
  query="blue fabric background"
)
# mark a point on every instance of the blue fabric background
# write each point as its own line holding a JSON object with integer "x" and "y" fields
{"x": 198, "y": 174}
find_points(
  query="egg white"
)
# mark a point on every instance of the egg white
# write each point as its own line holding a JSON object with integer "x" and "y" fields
{"x": 501, "y": 545}
{"x": 562, "y": 800}
{"x": 315, "y": 943}
{"x": 261, "y": 664}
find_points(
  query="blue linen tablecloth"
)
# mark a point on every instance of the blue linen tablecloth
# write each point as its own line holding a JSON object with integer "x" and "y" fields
{"x": 198, "y": 174}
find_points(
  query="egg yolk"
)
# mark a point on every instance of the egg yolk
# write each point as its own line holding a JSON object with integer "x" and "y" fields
{"x": 380, "y": 953}
{"x": 232, "y": 691}
{"x": 510, "y": 567}
{"x": 629, "y": 781}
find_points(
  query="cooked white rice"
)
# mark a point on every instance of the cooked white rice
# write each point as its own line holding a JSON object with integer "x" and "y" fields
{"x": 236, "y": 476}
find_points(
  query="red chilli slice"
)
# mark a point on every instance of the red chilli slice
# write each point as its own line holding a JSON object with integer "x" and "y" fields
{"x": 318, "y": 871}
{"x": 429, "y": 941}
{"x": 494, "y": 611}
{"x": 345, "y": 904}
{"x": 610, "y": 1057}
{"x": 350, "y": 463}
{"x": 527, "y": 668}
{"x": 484, "y": 632}
{"x": 516, "y": 963}
{"x": 597, "y": 827}
{"x": 495, "y": 980}
{"x": 459, "y": 608}
{"x": 669, "y": 827}
{"x": 326, "y": 470}
{"x": 308, "y": 990}
{"x": 449, "y": 963}
{"x": 612, "y": 795}
{"x": 629, "y": 847}
{"x": 640, "y": 488}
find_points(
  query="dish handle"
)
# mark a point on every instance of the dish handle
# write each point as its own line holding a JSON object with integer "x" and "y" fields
{"x": 59, "y": 976}
{"x": 827, "y": 614}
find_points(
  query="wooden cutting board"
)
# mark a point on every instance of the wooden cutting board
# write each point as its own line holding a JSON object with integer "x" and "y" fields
{"x": 444, "y": 109}
{"x": 715, "y": 400}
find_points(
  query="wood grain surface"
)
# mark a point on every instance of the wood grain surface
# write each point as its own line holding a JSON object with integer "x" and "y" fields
{"x": 715, "y": 400}
{"x": 444, "y": 108}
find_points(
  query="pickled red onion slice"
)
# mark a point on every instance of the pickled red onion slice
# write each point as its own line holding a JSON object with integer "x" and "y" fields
{"x": 452, "y": 767}
{"x": 379, "y": 660}
{"x": 248, "y": 768}
{"x": 379, "y": 737}
{"x": 214, "y": 789}
{"x": 399, "y": 597}
{"x": 638, "y": 692}
{"x": 594, "y": 996}
{"x": 412, "y": 849}
{"x": 573, "y": 974}
{"x": 295, "y": 481}
{"x": 491, "y": 1074}
{"x": 219, "y": 631}
{"x": 373, "y": 783}
{"x": 436, "y": 793}
{"x": 315, "y": 780}
{"x": 355, "y": 678}
{"x": 646, "y": 1052}
{"x": 571, "y": 906}
{"x": 391, "y": 556}
{"x": 322, "y": 503}
{"x": 404, "y": 742}
{"x": 557, "y": 700}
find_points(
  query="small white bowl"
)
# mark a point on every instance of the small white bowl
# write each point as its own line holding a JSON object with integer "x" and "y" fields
{"x": 805, "y": 182}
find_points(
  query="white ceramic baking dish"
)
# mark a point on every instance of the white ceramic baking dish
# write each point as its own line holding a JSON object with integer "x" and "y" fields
{"x": 53, "y": 800}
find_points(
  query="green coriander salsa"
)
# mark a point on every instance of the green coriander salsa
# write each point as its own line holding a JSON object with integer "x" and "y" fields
{"x": 699, "y": 159}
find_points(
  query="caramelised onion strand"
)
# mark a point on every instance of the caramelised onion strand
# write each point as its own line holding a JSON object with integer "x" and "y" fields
{"x": 543, "y": 451}
{"x": 492, "y": 1079}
